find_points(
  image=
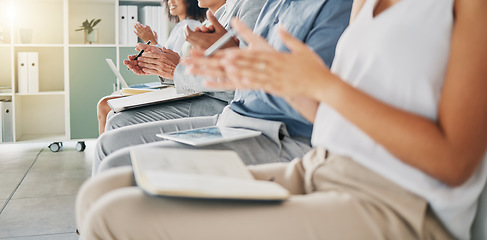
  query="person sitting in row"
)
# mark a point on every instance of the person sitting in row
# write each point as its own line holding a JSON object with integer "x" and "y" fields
{"x": 185, "y": 13}
{"x": 399, "y": 136}
{"x": 167, "y": 65}
{"x": 285, "y": 132}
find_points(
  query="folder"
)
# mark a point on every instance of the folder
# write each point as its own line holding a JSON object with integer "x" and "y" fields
{"x": 123, "y": 25}
{"x": 146, "y": 16}
{"x": 22, "y": 72}
{"x": 6, "y": 127}
{"x": 132, "y": 20}
{"x": 33, "y": 71}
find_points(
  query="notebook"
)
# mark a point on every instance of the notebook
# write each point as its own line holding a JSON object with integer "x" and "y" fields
{"x": 209, "y": 135}
{"x": 145, "y": 99}
{"x": 204, "y": 174}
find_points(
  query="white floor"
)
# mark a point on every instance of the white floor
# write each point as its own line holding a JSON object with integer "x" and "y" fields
{"x": 38, "y": 189}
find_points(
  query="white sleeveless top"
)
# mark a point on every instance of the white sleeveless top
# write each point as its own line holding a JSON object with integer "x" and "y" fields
{"x": 399, "y": 57}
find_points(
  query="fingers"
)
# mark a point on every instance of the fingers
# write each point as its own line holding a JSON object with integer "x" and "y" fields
{"x": 147, "y": 48}
{"x": 254, "y": 41}
{"x": 214, "y": 22}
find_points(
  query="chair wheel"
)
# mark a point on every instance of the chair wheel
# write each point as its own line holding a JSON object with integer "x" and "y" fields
{"x": 55, "y": 146}
{"x": 80, "y": 146}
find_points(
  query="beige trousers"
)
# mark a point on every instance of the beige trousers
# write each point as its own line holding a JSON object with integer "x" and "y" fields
{"x": 334, "y": 198}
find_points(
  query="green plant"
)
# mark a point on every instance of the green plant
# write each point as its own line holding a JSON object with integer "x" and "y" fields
{"x": 88, "y": 25}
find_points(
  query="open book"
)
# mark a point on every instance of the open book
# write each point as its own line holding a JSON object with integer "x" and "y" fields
{"x": 207, "y": 174}
{"x": 209, "y": 135}
{"x": 148, "y": 98}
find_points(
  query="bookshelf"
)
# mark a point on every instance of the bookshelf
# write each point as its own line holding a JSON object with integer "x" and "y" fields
{"x": 73, "y": 76}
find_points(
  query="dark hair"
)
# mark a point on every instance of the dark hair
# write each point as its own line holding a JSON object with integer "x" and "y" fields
{"x": 193, "y": 11}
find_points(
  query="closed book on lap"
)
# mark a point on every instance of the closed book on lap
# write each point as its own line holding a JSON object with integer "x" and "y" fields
{"x": 203, "y": 174}
{"x": 148, "y": 98}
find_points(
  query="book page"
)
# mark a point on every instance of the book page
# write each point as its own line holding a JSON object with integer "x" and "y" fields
{"x": 200, "y": 162}
{"x": 199, "y": 174}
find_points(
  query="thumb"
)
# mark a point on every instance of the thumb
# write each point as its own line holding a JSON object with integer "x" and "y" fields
{"x": 155, "y": 35}
{"x": 141, "y": 46}
{"x": 294, "y": 44}
{"x": 214, "y": 22}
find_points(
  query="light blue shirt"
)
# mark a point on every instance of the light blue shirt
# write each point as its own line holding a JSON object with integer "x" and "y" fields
{"x": 319, "y": 24}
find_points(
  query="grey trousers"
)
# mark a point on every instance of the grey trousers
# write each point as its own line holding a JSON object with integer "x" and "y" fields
{"x": 200, "y": 106}
{"x": 274, "y": 145}
{"x": 333, "y": 198}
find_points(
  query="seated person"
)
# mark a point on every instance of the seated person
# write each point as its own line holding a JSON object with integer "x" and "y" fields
{"x": 167, "y": 66}
{"x": 184, "y": 13}
{"x": 399, "y": 137}
{"x": 285, "y": 133}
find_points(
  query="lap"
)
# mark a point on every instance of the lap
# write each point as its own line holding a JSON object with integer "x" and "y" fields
{"x": 339, "y": 212}
{"x": 312, "y": 216}
{"x": 195, "y": 107}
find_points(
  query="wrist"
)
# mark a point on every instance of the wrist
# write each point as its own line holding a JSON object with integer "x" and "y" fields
{"x": 329, "y": 90}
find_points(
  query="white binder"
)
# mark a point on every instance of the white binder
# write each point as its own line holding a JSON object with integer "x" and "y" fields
{"x": 146, "y": 16}
{"x": 33, "y": 69}
{"x": 7, "y": 133}
{"x": 123, "y": 25}
{"x": 22, "y": 72}
{"x": 132, "y": 20}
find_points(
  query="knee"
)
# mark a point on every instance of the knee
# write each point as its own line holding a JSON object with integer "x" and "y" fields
{"x": 119, "y": 158}
{"x": 102, "y": 109}
{"x": 95, "y": 188}
{"x": 110, "y": 216}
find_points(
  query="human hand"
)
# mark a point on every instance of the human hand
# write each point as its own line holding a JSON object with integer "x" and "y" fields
{"x": 203, "y": 37}
{"x": 145, "y": 33}
{"x": 161, "y": 63}
{"x": 133, "y": 64}
{"x": 213, "y": 67}
{"x": 297, "y": 73}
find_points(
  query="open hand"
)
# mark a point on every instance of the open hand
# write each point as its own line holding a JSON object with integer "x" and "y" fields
{"x": 213, "y": 67}
{"x": 203, "y": 37}
{"x": 145, "y": 33}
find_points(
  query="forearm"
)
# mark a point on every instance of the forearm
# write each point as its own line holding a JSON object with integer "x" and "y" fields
{"x": 416, "y": 140}
{"x": 307, "y": 107}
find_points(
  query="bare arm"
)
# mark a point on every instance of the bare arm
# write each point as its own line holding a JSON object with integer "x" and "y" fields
{"x": 449, "y": 149}
{"x": 452, "y": 148}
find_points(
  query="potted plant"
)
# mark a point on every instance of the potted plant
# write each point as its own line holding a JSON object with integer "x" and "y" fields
{"x": 91, "y": 34}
